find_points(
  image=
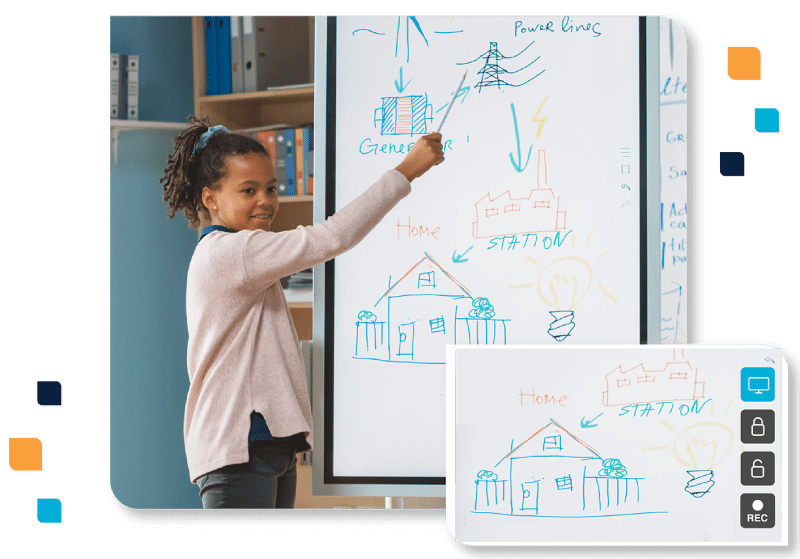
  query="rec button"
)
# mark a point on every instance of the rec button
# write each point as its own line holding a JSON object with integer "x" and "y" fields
{"x": 757, "y": 510}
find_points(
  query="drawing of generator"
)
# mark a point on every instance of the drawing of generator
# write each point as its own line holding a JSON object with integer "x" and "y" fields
{"x": 404, "y": 115}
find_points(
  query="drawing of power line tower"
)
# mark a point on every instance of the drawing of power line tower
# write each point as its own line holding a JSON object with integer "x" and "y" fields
{"x": 493, "y": 74}
{"x": 404, "y": 115}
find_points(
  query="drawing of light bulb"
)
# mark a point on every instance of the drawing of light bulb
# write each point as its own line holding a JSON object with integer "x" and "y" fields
{"x": 563, "y": 284}
{"x": 702, "y": 447}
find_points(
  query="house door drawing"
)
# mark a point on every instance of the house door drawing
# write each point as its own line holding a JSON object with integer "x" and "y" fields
{"x": 406, "y": 338}
{"x": 530, "y": 496}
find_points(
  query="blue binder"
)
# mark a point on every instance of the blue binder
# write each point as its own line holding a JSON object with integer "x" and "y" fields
{"x": 212, "y": 70}
{"x": 291, "y": 170}
{"x": 225, "y": 82}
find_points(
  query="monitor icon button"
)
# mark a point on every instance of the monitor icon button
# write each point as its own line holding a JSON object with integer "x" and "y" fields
{"x": 758, "y": 384}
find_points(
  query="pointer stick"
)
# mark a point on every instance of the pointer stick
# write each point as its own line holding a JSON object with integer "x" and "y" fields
{"x": 453, "y": 100}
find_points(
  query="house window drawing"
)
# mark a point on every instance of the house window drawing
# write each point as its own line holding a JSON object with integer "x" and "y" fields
{"x": 444, "y": 308}
{"x": 426, "y": 279}
{"x": 564, "y": 483}
{"x": 538, "y": 212}
{"x": 553, "y": 442}
{"x": 437, "y": 325}
{"x": 404, "y": 115}
{"x": 677, "y": 380}
{"x": 575, "y": 483}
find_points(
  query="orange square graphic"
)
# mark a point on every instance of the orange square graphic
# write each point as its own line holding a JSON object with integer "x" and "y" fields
{"x": 25, "y": 454}
{"x": 744, "y": 63}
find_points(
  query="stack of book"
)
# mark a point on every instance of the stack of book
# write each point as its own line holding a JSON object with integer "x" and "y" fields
{"x": 248, "y": 53}
{"x": 292, "y": 153}
{"x": 125, "y": 86}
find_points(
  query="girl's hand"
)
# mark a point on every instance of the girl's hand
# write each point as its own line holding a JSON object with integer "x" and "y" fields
{"x": 426, "y": 153}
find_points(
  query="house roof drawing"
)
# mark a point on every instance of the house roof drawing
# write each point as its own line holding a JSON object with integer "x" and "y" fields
{"x": 461, "y": 290}
{"x": 568, "y": 446}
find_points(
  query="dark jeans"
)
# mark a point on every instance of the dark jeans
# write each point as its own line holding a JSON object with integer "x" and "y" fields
{"x": 267, "y": 481}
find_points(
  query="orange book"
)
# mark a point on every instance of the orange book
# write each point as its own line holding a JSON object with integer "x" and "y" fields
{"x": 300, "y": 149}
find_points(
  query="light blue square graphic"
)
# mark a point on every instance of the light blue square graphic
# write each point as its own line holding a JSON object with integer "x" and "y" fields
{"x": 48, "y": 510}
{"x": 767, "y": 120}
{"x": 758, "y": 384}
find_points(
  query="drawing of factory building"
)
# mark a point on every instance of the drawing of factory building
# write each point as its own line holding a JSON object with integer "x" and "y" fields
{"x": 537, "y": 212}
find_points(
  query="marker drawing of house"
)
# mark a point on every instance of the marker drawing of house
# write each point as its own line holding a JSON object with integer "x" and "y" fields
{"x": 555, "y": 474}
{"x": 420, "y": 313}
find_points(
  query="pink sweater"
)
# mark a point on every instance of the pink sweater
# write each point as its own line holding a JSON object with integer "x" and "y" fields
{"x": 243, "y": 352}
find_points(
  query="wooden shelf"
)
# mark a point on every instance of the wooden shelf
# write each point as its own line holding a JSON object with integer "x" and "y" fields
{"x": 295, "y": 199}
{"x": 302, "y": 94}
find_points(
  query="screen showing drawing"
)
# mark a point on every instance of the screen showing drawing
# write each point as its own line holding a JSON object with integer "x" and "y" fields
{"x": 529, "y": 232}
{"x": 631, "y": 444}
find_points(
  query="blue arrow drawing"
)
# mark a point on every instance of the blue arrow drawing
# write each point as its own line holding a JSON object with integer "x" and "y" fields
{"x": 519, "y": 166}
{"x": 400, "y": 87}
{"x": 458, "y": 259}
{"x": 589, "y": 423}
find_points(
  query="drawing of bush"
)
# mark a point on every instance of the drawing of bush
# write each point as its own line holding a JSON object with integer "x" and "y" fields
{"x": 481, "y": 308}
{"x": 366, "y": 316}
{"x": 612, "y": 468}
{"x": 487, "y": 475}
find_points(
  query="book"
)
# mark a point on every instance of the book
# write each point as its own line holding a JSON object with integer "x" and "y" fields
{"x": 118, "y": 87}
{"x": 132, "y": 82}
{"x": 267, "y": 139}
{"x": 300, "y": 154}
{"x": 210, "y": 41}
{"x": 224, "y": 75}
{"x": 280, "y": 161}
{"x": 310, "y": 166}
{"x": 272, "y": 48}
{"x": 291, "y": 163}
{"x": 237, "y": 65}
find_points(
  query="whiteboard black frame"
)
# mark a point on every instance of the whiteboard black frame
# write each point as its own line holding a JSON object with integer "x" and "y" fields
{"x": 324, "y": 482}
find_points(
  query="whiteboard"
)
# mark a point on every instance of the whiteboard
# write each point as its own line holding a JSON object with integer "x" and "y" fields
{"x": 674, "y": 174}
{"x": 537, "y": 228}
{"x": 617, "y": 445}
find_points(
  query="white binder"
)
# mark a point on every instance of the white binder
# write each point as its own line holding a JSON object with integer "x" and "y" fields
{"x": 133, "y": 86}
{"x": 118, "y": 86}
{"x": 275, "y": 52}
{"x": 237, "y": 62}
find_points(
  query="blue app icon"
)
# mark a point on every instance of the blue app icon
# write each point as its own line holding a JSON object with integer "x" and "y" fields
{"x": 758, "y": 384}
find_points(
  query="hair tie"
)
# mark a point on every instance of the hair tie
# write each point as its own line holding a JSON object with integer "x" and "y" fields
{"x": 210, "y": 133}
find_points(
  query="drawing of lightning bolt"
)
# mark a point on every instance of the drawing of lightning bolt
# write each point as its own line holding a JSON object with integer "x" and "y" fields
{"x": 542, "y": 120}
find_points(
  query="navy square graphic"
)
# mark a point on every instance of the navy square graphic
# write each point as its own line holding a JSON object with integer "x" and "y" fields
{"x": 731, "y": 163}
{"x": 48, "y": 393}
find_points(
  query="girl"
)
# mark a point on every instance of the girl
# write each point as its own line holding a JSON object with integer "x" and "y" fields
{"x": 248, "y": 412}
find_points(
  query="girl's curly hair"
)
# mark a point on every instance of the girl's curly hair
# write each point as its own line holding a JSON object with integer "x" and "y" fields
{"x": 189, "y": 169}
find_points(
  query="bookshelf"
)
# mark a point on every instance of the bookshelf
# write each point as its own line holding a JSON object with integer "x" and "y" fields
{"x": 239, "y": 111}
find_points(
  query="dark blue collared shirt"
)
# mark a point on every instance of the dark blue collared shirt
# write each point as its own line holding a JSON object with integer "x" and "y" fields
{"x": 258, "y": 425}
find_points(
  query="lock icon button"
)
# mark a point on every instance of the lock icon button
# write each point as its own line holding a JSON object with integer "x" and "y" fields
{"x": 757, "y": 429}
{"x": 758, "y": 468}
{"x": 757, "y": 426}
